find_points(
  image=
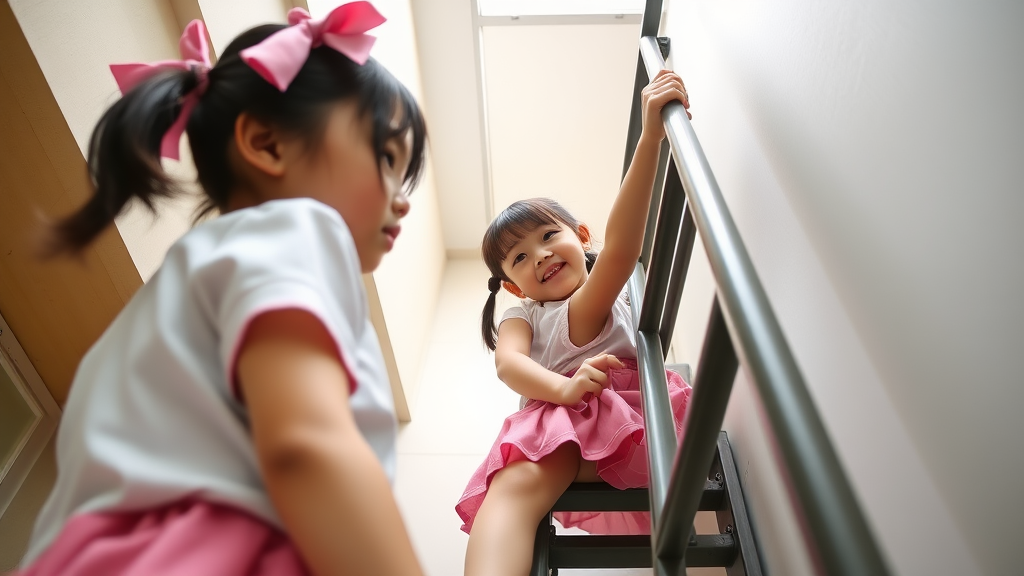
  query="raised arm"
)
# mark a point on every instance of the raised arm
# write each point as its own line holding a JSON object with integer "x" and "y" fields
{"x": 590, "y": 305}
{"x": 524, "y": 375}
{"x": 322, "y": 477}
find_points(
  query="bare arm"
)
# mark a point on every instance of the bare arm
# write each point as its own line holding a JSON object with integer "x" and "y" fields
{"x": 524, "y": 375}
{"x": 323, "y": 478}
{"x": 590, "y": 306}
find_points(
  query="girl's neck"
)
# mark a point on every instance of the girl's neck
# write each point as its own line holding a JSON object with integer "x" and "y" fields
{"x": 246, "y": 197}
{"x": 564, "y": 298}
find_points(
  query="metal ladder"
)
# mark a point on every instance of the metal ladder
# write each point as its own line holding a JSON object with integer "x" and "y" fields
{"x": 733, "y": 548}
{"x": 699, "y": 473}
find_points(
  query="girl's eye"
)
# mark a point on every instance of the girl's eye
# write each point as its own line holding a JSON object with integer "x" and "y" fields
{"x": 548, "y": 235}
{"x": 519, "y": 258}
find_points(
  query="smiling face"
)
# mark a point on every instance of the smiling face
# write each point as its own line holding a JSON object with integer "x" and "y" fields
{"x": 345, "y": 173}
{"x": 548, "y": 263}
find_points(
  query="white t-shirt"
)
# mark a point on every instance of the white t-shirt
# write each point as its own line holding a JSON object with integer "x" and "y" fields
{"x": 153, "y": 417}
{"x": 551, "y": 347}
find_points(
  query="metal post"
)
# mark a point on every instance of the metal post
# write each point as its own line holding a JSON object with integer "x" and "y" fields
{"x": 652, "y": 18}
{"x": 542, "y": 547}
{"x": 652, "y": 211}
{"x": 680, "y": 266}
{"x": 636, "y": 123}
{"x": 701, "y": 426}
{"x": 659, "y": 423}
{"x": 659, "y": 272}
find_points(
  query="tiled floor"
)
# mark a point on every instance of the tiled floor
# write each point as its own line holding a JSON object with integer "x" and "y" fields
{"x": 459, "y": 408}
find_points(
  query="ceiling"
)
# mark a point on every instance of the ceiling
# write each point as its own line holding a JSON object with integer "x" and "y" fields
{"x": 522, "y": 107}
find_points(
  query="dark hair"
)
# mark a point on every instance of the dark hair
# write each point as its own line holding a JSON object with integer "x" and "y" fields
{"x": 124, "y": 151}
{"x": 511, "y": 226}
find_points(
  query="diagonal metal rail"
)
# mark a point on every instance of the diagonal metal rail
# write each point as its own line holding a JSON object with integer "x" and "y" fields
{"x": 743, "y": 331}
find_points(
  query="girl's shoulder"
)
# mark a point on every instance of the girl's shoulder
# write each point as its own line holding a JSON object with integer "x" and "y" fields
{"x": 298, "y": 244}
{"x": 291, "y": 228}
{"x": 292, "y": 216}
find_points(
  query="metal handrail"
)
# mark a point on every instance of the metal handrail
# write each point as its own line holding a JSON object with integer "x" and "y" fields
{"x": 835, "y": 528}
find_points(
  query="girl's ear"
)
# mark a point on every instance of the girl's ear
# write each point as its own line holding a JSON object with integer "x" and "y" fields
{"x": 584, "y": 235}
{"x": 512, "y": 288}
{"x": 260, "y": 145}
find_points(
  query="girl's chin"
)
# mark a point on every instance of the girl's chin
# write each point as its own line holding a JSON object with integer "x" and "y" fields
{"x": 369, "y": 262}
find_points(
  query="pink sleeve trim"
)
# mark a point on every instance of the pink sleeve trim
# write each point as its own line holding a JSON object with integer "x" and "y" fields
{"x": 236, "y": 348}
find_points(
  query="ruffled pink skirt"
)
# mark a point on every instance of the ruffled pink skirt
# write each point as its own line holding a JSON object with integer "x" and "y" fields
{"x": 192, "y": 537}
{"x": 609, "y": 430}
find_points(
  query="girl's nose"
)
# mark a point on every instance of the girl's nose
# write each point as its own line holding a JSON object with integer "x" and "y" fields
{"x": 542, "y": 256}
{"x": 400, "y": 205}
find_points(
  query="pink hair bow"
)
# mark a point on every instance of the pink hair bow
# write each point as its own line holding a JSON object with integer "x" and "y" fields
{"x": 195, "y": 54}
{"x": 280, "y": 56}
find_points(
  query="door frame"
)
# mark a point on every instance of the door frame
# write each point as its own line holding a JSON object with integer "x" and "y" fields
{"x": 18, "y": 367}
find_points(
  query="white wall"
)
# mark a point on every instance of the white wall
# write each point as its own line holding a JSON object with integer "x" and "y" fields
{"x": 870, "y": 153}
{"x": 445, "y": 38}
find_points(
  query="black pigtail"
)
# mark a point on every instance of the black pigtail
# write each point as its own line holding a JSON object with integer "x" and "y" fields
{"x": 591, "y": 258}
{"x": 124, "y": 157}
{"x": 487, "y": 328}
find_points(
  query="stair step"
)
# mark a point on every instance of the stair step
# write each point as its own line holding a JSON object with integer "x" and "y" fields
{"x": 600, "y": 497}
{"x": 585, "y": 552}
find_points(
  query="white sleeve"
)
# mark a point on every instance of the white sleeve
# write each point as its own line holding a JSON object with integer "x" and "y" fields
{"x": 289, "y": 254}
{"x": 516, "y": 312}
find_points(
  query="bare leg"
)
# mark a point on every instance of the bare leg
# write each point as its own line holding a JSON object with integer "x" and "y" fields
{"x": 587, "y": 472}
{"x": 501, "y": 542}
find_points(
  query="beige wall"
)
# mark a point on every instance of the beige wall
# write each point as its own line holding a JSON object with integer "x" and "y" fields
{"x": 445, "y": 41}
{"x": 870, "y": 153}
{"x": 226, "y": 19}
{"x": 75, "y": 59}
{"x": 409, "y": 279}
{"x": 550, "y": 136}
{"x": 56, "y": 308}
{"x": 554, "y": 93}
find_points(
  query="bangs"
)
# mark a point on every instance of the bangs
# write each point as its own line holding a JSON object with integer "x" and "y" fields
{"x": 515, "y": 223}
{"x": 382, "y": 97}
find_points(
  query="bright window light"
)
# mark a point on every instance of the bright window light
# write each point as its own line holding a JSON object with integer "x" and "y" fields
{"x": 558, "y": 7}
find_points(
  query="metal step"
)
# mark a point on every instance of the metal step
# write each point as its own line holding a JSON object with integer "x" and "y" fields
{"x": 600, "y": 497}
{"x": 733, "y": 548}
{"x": 590, "y": 552}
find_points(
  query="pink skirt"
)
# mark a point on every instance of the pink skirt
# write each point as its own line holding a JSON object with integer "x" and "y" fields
{"x": 609, "y": 430}
{"x": 190, "y": 537}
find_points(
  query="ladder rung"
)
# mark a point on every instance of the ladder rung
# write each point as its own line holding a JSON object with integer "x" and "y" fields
{"x": 600, "y": 497}
{"x": 635, "y": 551}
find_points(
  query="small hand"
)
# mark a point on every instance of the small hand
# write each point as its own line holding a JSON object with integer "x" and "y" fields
{"x": 664, "y": 88}
{"x": 591, "y": 377}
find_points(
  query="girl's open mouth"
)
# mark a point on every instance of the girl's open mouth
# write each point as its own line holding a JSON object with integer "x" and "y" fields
{"x": 552, "y": 271}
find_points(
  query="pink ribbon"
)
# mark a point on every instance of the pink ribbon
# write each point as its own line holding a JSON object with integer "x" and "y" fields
{"x": 280, "y": 56}
{"x": 195, "y": 54}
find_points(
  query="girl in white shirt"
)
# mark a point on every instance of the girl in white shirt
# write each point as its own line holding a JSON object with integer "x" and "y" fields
{"x": 569, "y": 348}
{"x": 236, "y": 417}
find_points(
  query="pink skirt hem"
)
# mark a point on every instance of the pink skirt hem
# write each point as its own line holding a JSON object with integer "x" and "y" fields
{"x": 185, "y": 538}
{"x": 609, "y": 431}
